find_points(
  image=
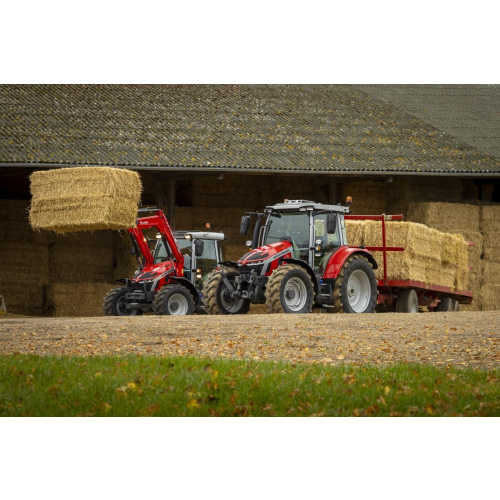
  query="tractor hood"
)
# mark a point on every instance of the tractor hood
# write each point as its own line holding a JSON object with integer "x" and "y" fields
{"x": 152, "y": 272}
{"x": 263, "y": 253}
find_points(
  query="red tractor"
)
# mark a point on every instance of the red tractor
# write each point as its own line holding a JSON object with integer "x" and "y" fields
{"x": 163, "y": 284}
{"x": 300, "y": 259}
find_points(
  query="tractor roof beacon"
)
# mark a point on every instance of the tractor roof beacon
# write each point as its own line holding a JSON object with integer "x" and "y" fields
{"x": 300, "y": 258}
{"x": 171, "y": 269}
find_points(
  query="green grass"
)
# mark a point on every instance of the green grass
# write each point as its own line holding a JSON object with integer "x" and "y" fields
{"x": 138, "y": 386}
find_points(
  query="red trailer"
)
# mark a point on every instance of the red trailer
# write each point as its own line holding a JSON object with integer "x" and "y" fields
{"x": 408, "y": 295}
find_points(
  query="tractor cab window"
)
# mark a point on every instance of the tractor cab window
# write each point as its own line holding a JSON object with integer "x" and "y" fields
{"x": 185, "y": 248}
{"x": 292, "y": 227}
{"x": 207, "y": 262}
{"x": 328, "y": 243}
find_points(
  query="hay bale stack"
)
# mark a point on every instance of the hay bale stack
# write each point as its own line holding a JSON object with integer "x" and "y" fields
{"x": 23, "y": 260}
{"x": 430, "y": 256}
{"x": 490, "y": 273}
{"x": 369, "y": 197}
{"x": 491, "y": 247}
{"x": 81, "y": 258}
{"x": 446, "y": 217}
{"x": 490, "y": 297}
{"x": 84, "y": 199}
{"x": 24, "y": 272}
{"x": 125, "y": 264}
{"x": 490, "y": 219}
{"x": 77, "y": 300}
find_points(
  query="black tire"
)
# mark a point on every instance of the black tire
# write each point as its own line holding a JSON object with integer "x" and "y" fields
{"x": 289, "y": 290}
{"x": 455, "y": 305}
{"x": 173, "y": 300}
{"x": 213, "y": 294}
{"x": 113, "y": 304}
{"x": 341, "y": 300}
{"x": 446, "y": 305}
{"x": 407, "y": 301}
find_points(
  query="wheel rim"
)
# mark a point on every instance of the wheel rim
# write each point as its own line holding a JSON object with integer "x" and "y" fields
{"x": 358, "y": 291}
{"x": 229, "y": 304}
{"x": 295, "y": 294}
{"x": 177, "y": 305}
{"x": 122, "y": 309}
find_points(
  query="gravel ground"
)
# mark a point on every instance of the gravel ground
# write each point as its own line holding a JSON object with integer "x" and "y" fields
{"x": 467, "y": 339}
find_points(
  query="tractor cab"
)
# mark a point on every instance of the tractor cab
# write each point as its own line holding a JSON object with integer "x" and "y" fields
{"x": 202, "y": 253}
{"x": 310, "y": 232}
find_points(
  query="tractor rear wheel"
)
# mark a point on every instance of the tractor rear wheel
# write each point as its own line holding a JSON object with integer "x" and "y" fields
{"x": 407, "y": 301}
{"x": 355, "y": 287}
{"x": 289, "y": 290}
{"x": 216, "y": 297}
{"x": 173, "y": 300}
{"x": 114, "y": 304}
{"x": 445, "y": 305}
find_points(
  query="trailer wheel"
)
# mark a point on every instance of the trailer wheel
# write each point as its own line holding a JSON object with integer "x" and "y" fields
{"x": 114, "y": 304}
{"x": 173, "y": 300}
{"x": 446, "y": 305}
{"x": 356, "y": 287}
{"x": 407, "y": 301}
{"x": 289, "y": 290}
{"x": 215, "y": 296}
{"x": 456, "y": 305}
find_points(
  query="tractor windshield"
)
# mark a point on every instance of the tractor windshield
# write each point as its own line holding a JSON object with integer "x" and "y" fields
{"x": 292, "y": 227}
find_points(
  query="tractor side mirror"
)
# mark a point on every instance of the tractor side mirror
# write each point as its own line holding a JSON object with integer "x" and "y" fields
{"x": 331, "y": 223}
{"x": 198, "y": 247}
{"x": 245, "y": 224}
{"x": 132, "y": 249}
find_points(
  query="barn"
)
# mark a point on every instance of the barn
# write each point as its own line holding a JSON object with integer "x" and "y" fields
{"x": 209, "y": 153}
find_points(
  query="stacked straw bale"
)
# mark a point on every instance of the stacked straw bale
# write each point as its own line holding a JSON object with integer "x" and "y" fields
{"x": 125, "y": 264}
{"x": 490, "y": 282}
{"x": 430, "y": 256}
{"x": 24, "y": 260}
{"x": 77, "y": 299}
{"x": 84, "y": 199}
{"x": 81, "y": 258}
{"x": 458, "y": 218}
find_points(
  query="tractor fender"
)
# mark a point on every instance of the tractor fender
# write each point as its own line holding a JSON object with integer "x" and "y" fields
{"x": 306, "y": 267}
{"x": 185, "y": 282}
{"x": 338, "y": 259}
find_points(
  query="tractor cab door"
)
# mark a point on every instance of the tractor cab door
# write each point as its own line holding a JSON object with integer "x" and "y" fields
{"x": 326, "y": 244}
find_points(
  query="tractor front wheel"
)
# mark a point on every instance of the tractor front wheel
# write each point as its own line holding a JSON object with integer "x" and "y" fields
{"x": 355, "y": 287}
{"x": 173, "y": 300}
{"x": 289, "y": 290}
{"x": 115, "y": 305}
{"x": 216, "y": 294}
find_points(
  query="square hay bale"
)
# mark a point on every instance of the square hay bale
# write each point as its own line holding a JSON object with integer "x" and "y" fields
{"x": 474, "y": 252}
{"x": 355, "y": 232}
{"x": 491, "y": 247}
{"x": 490, "y": 298}
{"x": 77, "y": 300}
{"x": 446, "y": 217}
{"x": 22, "y": 299}
{"x": 490, "y": 219}
{"x": 25, "y": 264}
{"x": 84, "y": 199}
{"x": 410, "y": 264}
{"x": 491, "y": 273}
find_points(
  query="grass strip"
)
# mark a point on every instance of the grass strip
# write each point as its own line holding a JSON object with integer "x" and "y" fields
{"x": 132, "y": 385}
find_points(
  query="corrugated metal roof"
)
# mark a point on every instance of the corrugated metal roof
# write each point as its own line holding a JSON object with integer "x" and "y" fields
{"x": 319, "y": 128}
